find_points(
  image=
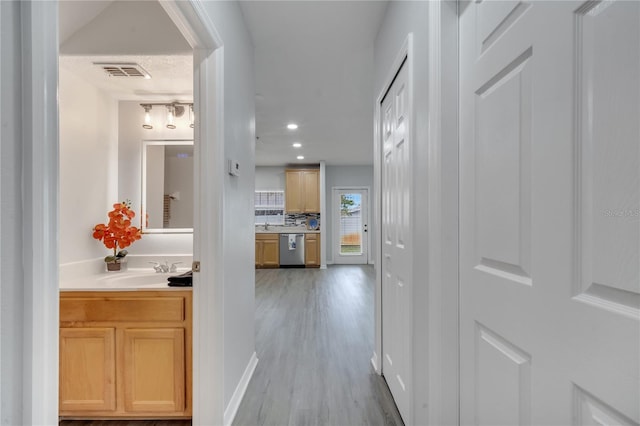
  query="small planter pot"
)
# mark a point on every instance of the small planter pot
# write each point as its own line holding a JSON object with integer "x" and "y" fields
{"x": 114, "y": 266}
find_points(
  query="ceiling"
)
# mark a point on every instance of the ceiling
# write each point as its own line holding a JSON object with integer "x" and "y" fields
{"x": 126, "y": 31}
{"x": 313, "y": 66}
{"x": 171, "y": 76}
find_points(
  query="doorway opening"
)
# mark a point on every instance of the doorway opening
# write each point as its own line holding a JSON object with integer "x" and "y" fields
{"x": 111, "y": 100}
{"x": 199, "y": 32}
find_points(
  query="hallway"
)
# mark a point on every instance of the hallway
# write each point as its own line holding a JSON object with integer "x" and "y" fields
{"x": 314, "y": 340}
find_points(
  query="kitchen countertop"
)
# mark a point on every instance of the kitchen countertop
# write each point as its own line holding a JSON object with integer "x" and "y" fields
{"x": 285, "y": 230}
{"x": 131, "y": 280}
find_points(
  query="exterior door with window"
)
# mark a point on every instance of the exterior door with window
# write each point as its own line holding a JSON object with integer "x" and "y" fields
{"x": 350, "y": 224}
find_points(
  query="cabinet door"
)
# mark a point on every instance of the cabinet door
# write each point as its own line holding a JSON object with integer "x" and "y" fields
{"x": 87, "y": 369}
{"x": 293, "y": 192}
{"x": 312, "y": 250}
{"x": 271, "y": 253}
{"x": 259, "y": 250}
{"x": 154, "y": 370}
{"x": 311, "y": 191}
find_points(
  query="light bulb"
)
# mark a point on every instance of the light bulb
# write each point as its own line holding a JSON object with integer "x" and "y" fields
{"x": 147, "y": 117}
{"x": 170, "y": 117}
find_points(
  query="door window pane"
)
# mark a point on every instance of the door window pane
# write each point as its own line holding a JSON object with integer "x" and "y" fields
{"x": 351, "y": 224}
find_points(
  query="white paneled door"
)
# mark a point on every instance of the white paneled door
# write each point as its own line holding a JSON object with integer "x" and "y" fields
{"x": 550, "y": 206}
{"x": 396, "y": 244}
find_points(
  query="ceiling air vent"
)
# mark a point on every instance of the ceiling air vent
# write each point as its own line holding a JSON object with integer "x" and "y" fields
{"x": 123, "y": 69}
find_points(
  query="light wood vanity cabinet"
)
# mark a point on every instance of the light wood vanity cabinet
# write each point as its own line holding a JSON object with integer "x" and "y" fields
{"x": 154, "y": 370}
{"x": 302, "y": 190}
{"x": 312, "y": 250}
{"x": 267, "y": 250}
{"x": 87, "y": 369}
{"x": 125, "y": 354}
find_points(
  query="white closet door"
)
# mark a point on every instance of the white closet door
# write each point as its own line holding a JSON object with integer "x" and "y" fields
{"x": 396, "y": 245}
{"x": 549, "y": 225}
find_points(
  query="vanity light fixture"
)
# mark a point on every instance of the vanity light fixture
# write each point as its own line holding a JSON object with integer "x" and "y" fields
{"x": 147, "y": 117}
{"x": 174, "y": 110}
{"x": 292, "y": 126}
{"x": 300, "y": 157}
{"x": 297, "y": 145}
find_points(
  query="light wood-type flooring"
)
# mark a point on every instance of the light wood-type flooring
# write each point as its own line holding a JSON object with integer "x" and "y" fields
{"x": 314, "y": 341}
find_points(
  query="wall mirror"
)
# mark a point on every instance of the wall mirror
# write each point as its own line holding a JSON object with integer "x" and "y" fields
{"x": 167, "y": 186}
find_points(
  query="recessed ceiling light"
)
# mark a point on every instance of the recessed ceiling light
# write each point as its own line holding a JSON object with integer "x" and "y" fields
{"x": 297, "y": 145}
{"x": 292, "y": 126}
{"x": 300, "y": 157}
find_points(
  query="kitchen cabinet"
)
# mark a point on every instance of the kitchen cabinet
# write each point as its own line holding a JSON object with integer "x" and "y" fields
{"x": 302, "y": 191}
{"x": 267, "y": 251}
{"x": 312, "y": 250}
{"x": 125, "y": 354}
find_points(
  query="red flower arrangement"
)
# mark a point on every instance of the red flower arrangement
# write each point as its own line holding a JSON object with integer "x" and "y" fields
{"x": 118, "y": 233}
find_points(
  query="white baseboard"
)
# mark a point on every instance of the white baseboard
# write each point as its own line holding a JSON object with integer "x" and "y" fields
{"x": 374, "y": 362}
{"x": 238, "y": 394}
{"x": 323, "y": 266}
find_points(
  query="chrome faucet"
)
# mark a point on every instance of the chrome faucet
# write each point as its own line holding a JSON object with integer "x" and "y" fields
{"x": 156, "y": 266}
{"x": 163, "y": 268}
{"x": 266, "y": 225}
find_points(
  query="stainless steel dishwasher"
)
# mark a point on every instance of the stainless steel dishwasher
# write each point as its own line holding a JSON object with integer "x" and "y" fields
{"x": 292, "y": 255}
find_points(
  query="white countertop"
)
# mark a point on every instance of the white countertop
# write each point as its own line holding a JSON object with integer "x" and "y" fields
{"x": 285, "y": 230}
{"x": 131, "y": 280}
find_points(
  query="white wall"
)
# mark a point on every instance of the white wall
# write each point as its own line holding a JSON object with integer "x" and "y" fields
{"x": 239, "y": 244}
{"x": 130, "y": 137}
{"x": 402, "y": 18}
{"x": 88, "y": 166}
{"x": 434, "y": 196}
{"x": 270, "y": 178}
{"x": 345, "y": 176}
{"x": 12, "y": 291}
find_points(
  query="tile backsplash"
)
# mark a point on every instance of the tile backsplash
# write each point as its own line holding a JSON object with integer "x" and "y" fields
{"x": 300, "y": 219}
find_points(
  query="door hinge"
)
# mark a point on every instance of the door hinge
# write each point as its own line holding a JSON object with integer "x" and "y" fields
{"x": 195, "y": 266}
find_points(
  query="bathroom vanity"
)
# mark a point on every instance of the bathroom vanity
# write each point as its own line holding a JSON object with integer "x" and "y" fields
{"x": 125, "y": 350}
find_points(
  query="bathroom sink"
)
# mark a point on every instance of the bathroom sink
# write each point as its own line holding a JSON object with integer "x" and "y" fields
{"x": 135, "y": 280}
